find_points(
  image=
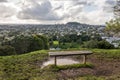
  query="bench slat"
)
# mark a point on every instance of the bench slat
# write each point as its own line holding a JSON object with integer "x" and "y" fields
{"x": 69, "y": 53}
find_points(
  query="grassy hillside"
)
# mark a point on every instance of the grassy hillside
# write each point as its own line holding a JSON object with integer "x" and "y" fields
{"x": 28, "y": 67}
{"x": 108, "y": 53}
{"x": 22, "y": 67}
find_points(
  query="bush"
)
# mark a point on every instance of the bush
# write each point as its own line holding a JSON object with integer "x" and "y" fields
{"x": 65, "y": 45}
{"x": 35, "y": 44}
{"x": 105, "y": 45}
{"x": 24, "y": 44}
{"x": 7, "y": 50}
{"x": 90, "y": 44}
{"x": 98, "y": 44}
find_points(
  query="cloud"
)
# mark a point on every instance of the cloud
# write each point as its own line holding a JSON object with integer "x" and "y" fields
{"x": 109, "y": 4}
{"x": 85, "y": 11}
{"x": 6, "y": 11}
{"x": 93, "y": 12}
{"x": 3, "y": 0}
{"x": 43, "y": 11}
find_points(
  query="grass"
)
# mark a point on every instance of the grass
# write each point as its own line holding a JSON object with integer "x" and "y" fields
{"x": 90, "y": 78}
{"x": 22, "y": 67}
{"x": 65, "y": 67}
{"x": 28, "y": 66}
{"x": 55, "y": 42}
{"x": 110, "y": 53}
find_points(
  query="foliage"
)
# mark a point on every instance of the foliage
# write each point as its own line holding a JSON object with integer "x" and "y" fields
{"x": 65, "y": 45}
{"x": 24, "y": 44}
{"x": 56, "y": 42}
{"x": 7, "y": 50}
{"x": 105, "y": 45}
{"x": 114, "y": 24}
{"x": 98, "y": 44}
{"x": 45, "y": 41}
{"x": 35, "y": 44}
{"x": 90, "y": 44}
{"x": 74, "y": 38}
{"x": 117, "y": 9}
{"x": 69, "y": 45}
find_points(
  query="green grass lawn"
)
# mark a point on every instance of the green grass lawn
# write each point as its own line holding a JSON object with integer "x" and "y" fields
{"x": 56, "y": 42}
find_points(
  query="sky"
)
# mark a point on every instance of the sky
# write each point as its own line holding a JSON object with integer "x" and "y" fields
{"x": 95, "y": 12}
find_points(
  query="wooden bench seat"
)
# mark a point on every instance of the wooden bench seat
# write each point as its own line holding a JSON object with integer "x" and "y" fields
{"x": 69, "y": 53}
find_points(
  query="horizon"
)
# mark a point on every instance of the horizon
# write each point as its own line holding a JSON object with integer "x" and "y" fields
{"x": 50, "y": 24}
{"x": 93, "y": 12}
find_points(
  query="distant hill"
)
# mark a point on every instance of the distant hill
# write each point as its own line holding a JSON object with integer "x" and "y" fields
{"x": 73, "y": 23}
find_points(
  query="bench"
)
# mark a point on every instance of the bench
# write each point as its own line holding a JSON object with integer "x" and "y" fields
{"x": 69, "y": 53}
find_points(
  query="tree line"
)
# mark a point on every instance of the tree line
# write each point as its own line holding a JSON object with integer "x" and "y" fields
{"x": 24, "y": 44}
{"x": 80, "y": 41}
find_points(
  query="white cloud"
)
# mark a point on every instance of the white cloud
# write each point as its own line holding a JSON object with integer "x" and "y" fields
{"x": 34, "y": 10}
{"x": 6, "y": 11}
{"x": 86, "y": 11}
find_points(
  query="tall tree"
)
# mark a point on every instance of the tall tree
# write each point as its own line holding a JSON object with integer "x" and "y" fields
{"x": 113, "y": 26}
{"x": 117, "y": 9}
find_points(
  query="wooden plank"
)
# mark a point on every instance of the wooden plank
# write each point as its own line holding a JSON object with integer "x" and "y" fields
{"x": 69, "y": 53}
{"x": 84, "y": 59}
{"x": 55, "y": 60}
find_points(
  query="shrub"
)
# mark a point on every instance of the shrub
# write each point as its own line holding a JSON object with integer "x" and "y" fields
{"x": 105, "y": 45}
{"x": 90, "y": 44}
{"x": 7, "y": 50}
{"x": 24, "y": 44}
{"x": 98, "y": 44}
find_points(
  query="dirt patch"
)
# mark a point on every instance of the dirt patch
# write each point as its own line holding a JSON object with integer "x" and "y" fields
{"x": 103, "y": 67}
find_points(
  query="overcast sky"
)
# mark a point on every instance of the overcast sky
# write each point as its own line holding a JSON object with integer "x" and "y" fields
{"x": 56, "y": 11}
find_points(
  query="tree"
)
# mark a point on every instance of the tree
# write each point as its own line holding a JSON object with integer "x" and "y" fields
{"x": 21, "y": 43}
{"x": 117, "y": 9}
{"x": 7, "y": 50}
{"x": 105, "y": 45}
{"x": 90, "y": 44}
{"x": 98, "y": 44}
{"x": 24, "y": 44}
{"x": 45, "y": 41}
{"x": 113, "y": 26}
{"x": 36, "y": 43}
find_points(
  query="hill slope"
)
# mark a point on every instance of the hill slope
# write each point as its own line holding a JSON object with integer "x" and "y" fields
{"x": 28, "y": 67}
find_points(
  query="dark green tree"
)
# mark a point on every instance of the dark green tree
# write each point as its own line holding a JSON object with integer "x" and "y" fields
{"x": 98, "y": 44}
{"x": 21, "y": 43}
{"x": 24, "y": 44}
{"x": 7, "y": 50}
{"x": 45, "y": 41}
{"x": 36, "y": 43}
{"x": 90, "y": 44}
{"x": 105, "y": 45}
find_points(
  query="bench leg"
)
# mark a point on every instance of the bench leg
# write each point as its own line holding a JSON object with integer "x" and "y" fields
{"x": 84, "y": 59}
{"x": 55, "y": 60}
